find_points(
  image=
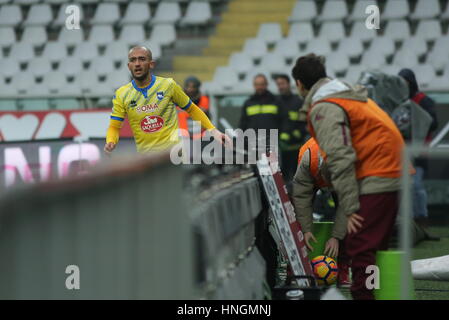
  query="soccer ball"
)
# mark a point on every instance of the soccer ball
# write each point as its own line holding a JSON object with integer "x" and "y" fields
{"x": 325, "y": 269}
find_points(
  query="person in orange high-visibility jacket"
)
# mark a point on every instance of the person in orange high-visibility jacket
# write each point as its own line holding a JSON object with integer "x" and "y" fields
{"x": 192, "y": 89}
{"x": 364, "y": 151}
{"x": 312, "y": 175}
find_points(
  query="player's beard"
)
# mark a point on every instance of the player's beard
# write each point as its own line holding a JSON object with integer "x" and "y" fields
{"x": 142, "y": 77}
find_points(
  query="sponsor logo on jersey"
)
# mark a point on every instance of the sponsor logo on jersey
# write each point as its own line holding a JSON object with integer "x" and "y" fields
{"x": 160, "y": 95}
{"x": 147, "y": 108}
{"x": 152, "y": 124}
{"x": 133, "y": 103}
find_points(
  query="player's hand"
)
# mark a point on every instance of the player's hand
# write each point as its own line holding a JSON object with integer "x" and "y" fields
{"x": 331, "y": 248}
{"x": 109, "y": 147}
{"x": 221, "y": 137}
{"x": 308, "y": 236}
{"x": 354, "y": 223}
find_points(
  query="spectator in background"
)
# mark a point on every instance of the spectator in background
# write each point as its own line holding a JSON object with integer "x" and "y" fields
{"x": 420, "y": 194}
{"x": 261, "y": 110}
{"x": 293, "y": 131}
{"x": 192, "y": 87}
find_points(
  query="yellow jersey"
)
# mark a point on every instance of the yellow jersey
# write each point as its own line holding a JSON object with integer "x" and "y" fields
{"x": 151, "y": 112}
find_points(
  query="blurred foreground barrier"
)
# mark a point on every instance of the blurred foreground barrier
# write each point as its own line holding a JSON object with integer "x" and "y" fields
{"x": 134, "y": 230}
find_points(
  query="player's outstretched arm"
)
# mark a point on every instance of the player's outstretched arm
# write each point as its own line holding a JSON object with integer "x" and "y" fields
{"x": 112, "y": 136}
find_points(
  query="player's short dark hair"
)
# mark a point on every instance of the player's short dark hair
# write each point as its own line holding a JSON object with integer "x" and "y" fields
{"x": 309, "y": 69}
{"x": 260, "y": 75}
{"x": 282, "y": 76}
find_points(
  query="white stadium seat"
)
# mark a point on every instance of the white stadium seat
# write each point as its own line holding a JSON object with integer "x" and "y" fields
{"x": 415, "y": 44}
{"x": 117, "y": 51}
{"x": 270, "y": 32}
{"x": 352, "y": 47}
{"x": 87, "y": 79}
{"x": 426, "y": 9}
{"x": 255, "y": 48}
{"x": 101, "y": 34}
{"x": 132, "y": 34}
{"x": 22, "y": 81}
{"x": 333, "y": 10}
{"x": 155, "y": 50}
{"x": 338, "y": 61}
{"x": 395, "y": 9}
{"x": 167, "y": 12}
{"x": 62, "y": 16}
{"x": 9, "y": 67}
{"x": 240, "y": 62}
{"x": 358, "y": 12}
{"x": 383, "y": 45}
{"x": 405, "y": 58}
{"x": 39, "y": 66}
{"x": 26, "y": 2}
{"x": 301, "y": 32}
{"x": 106, "y": 13}
{"x": 137, "y": 13}
{"x": 425, "y": 73}
{"x": 445, "y": 15}
{"x": 55, "y": 81}
{"x": 70, "y": 66}
{"x": 10, "y": 15}
{"x": 22, "y": 51}
{"x": 429, "y": 29}
{"x": 7, "y": 36}
{"x": 36, "y": 35}
{"x": 163, "y": 34}
{"x": 39, "y": 15}
{"x": 287, "y": 48}
{"x": 101, "y": 66}
{"x": 332, "y": 30}
{"x": 71, "y": 37}
{"x": 439, "y": 55}
{"x": 272, "y": 63}
{"x": 439, "y": 83}
{"x": 225, "y": 77}
{"x": 391, "y": 69}
{"x": 198, "y": 13}
{"x": 371, "y": 59}
{"x": 55, "y": 51}
{"x": 304, "y": 10}
{"x": 319, "y": 46}
{"x": 86, "y": 51}
{"x": 398, "y": 30}
{"x": 353, "y": 73}
{"x": 117, "y": 78}
{"x": 361, "y": 32}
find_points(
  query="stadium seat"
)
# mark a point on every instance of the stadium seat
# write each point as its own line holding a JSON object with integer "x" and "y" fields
{"x": 371, "y": 59}
{"x": 352, "y": 47}
{"x": 338, "y": 61}
{"x": 426, "y": 9}
{"x": 405, "y": 58}
{"x": 332, "y": 30}
{"x": 319, "y": 46}
{"x": 163, "y": 34}
{"x": 415, "y": 44}
{"x": 22, "y": 51}
{"x": 302, "y": 32}
{"x": 39, "y": 66}
{"x": 61, "y": 17}
{"x": 353, "y": 73}
{"x": 10, "y": 15}
{"x": 55, "y": 80}
{"x": 9, "y": 67}
{"x": 198, "y": 13}
{"x": 22, "y": 81}
{"x": 65, "y": 104}
{"x": 439, "y": 55}
{"x": 26, "y": 2}
{"x": 395, "y": 9}
{"x": 429, "y": 29}
{"x": 167, "y": 12}
{"x": 86, "y": 51}
{"x": 361, "y": 32}
{"x": 391, "y": 69}
{"x": 383, "y": 45}
{"x": 255, "y": 48}
{"x": 445, "y": 14}
{"x": 71, "y": 37}
{"x": 55, "y": 51}
{"x": 439, "y": 83}
{"x": 117, "y": 78}
{"x": 333, "y": 10}
{"x": 272, "y": 63}
{"x": 155, "y": 50}
{"x": 117, "y": 50}
{"x": 304, "y": 10}
{"x": 425, "y": 74}
{"x": 7, "y": 37}
{"x": 225, "y": 77}
{"x": 101, "y": 66}
{"x": 398, "y": 30}
{"x": 101, "y": 34}
{"x": 55, "y": 1}
{"x": 39, "y": 15}
{"x": 106, "y": 13}
{"x": 270, "y": 32}
{"x": 36, "y": 35}
{"x": 137, "y": 13}
{"x": 70, "y": 89}
{"x": 70, "y": 66}
{"x": 287, "y": 48}
{"x": 240, "y": 62}
{"x": 88, "y": 80}
{"x": 358, "y": 12}
{"x": 132, "y": 34}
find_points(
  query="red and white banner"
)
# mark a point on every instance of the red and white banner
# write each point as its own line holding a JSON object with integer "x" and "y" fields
{"x": 43, "y": 125}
